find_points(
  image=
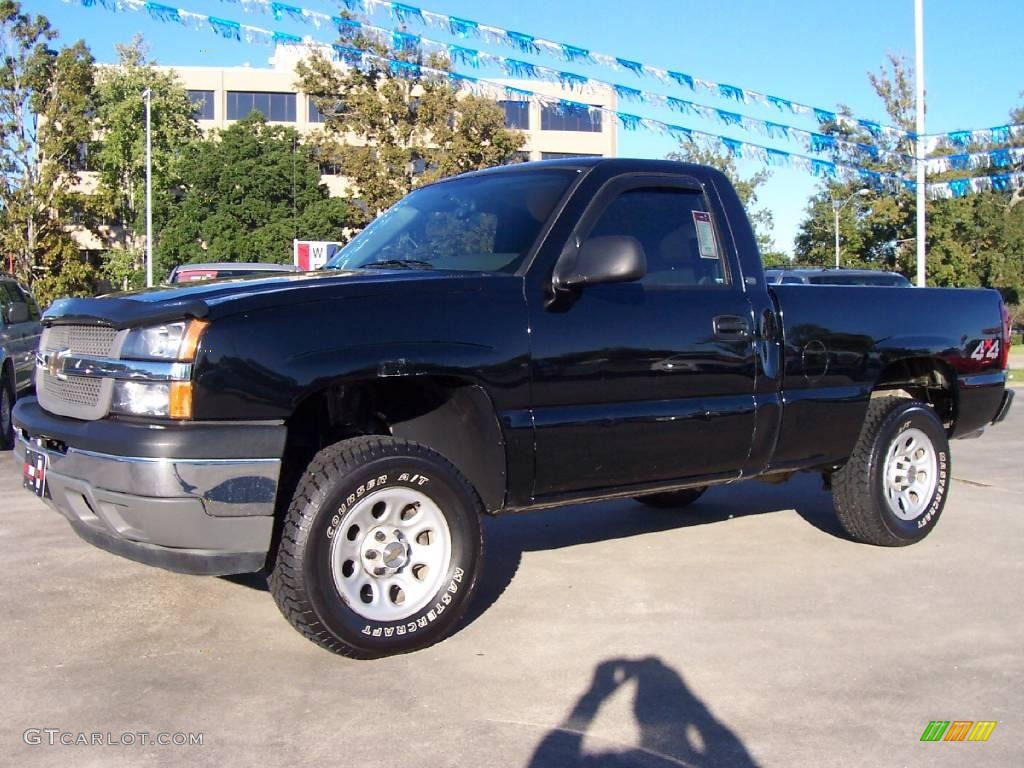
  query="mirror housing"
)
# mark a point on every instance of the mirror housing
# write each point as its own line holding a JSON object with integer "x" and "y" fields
{"x": 611, "y": 259}
{"x": 17, "y": 312}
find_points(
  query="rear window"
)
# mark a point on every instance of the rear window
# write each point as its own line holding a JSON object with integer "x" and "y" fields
{"x": 882, "y": 278}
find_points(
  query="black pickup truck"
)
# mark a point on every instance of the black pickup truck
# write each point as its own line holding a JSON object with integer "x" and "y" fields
{"x": 510, "y": 339}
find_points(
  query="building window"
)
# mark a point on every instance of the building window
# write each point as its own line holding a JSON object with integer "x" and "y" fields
{"x": 566, "y": 117}
{"x": 277, "y": 107}
{"x": 202, "y": 104}
{"x": 517, "y": 114}
{"x": 314, "y": 115}
{"x": 565, "y": 155}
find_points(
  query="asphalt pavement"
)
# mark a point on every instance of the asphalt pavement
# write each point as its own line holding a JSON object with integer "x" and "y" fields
{"x": 745, "y": 631}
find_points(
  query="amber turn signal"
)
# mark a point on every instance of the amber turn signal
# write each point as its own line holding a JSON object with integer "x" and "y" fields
{"x": 181, "y": 400}
{"x": 190, "y": 341}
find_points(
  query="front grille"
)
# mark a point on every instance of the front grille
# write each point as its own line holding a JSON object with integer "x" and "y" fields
{"x": 86, "y": 340}
{"x": 77, "y": 396}
{"x": 74, "y": 390}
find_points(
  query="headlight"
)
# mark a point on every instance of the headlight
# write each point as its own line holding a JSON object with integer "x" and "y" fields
{"x": 171, "y": 341}
{"x": 159, "y": 358}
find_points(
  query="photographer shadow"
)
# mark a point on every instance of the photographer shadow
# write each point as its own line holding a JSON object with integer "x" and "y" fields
{"x": 676, "y": 729}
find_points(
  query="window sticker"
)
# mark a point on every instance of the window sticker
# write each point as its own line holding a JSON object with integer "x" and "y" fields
{"x": 705, "y": 235}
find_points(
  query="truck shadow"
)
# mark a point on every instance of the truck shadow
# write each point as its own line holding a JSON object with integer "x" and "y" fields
{"x": 508, "y": 536}
{"x": 675, "y": 727}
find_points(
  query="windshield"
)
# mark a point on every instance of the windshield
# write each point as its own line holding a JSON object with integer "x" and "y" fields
{"x": 480, "y": 223}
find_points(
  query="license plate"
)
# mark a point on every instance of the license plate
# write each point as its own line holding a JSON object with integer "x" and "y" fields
{"x": 33, "y": 472}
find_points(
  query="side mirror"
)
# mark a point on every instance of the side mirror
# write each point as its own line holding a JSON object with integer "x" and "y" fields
{"x": 612, "y": 259}
{"x": 17, "y": 312}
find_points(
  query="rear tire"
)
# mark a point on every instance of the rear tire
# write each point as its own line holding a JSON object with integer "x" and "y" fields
{"x": 6, "y": 413}
{"x": 381, "y": 548}
{"x": 672, "y": 499}
{"x": 892, "y": 490}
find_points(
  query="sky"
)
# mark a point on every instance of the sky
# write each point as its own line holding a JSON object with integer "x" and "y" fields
{"x": 816, "y": 52}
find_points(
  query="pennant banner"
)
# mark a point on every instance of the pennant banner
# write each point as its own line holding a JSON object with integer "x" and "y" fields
{"x": 809, "y": 141}
{"x": 1000, "y": 134}
{"x": 992, "y": 158}
{"x": 531, "y": 44}
{"x": 495, "y": 90}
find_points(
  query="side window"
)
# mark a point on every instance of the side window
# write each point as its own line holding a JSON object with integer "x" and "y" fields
{"x": 788, "y": 280}
{"x": 6, "y": 297}
{"x": 33, "y": 307}
{"x": 676, "y": 231}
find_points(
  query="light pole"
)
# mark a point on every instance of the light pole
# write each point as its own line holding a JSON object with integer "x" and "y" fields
{"x": 837, "y": 207}
{"x": 148, "y": 96}
{"x": 919, "y": 145}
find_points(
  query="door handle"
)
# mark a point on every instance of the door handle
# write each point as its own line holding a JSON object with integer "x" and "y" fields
{"x": 731, "y": 327}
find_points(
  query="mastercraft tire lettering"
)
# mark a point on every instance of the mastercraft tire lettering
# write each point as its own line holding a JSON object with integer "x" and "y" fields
{"x": 380, "y": 550}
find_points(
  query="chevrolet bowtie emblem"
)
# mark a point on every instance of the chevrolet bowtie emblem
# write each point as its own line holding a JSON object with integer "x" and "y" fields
{"x": 53, "y": 363}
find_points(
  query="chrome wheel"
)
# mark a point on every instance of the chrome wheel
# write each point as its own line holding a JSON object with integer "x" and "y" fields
{"x": 911, "y": 474}
{"x": 391, "y": 554}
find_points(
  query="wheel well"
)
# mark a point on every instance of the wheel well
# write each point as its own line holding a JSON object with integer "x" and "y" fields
{"x": 926, "y": 379}
{"x": 451, "y": 416}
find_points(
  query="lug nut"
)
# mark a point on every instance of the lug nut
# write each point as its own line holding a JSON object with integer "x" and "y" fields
{"x": 372, "y": 554}
{"x": 380, "y": 536}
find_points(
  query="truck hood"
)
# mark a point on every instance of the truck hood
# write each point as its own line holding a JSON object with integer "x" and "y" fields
{"x": 213, "y": 298}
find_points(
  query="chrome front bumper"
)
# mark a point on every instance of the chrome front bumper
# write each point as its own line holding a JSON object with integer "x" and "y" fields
{"x": 209, "y": 516}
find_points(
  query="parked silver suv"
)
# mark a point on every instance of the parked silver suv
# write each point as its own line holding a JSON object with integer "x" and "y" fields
{"x": 19, "y": 337}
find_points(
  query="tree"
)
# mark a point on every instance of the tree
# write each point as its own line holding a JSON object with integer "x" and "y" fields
{"x": 248, "y": 191}
{"x": 120, "y": 156}
{"x": 690, "y": 151}
{"x": 45, "y": 106}
{"x": 389, "y": 127}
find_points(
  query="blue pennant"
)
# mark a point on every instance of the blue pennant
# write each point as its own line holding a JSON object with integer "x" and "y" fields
{"x": 776, "y": 131}
{"x": 960, "y": 187}
{"x": 569, "y": 107}
{"x": 1001, "y": 158}
{"x": 776, "y": 157}
{"x": 356, "y": 6}
{"x": 573, "y": 53}
{"x": 232, "y": 30}
{"x": 458, "y": 77}
{"x": 163, "y": 12}
{"x": 679, "y": 105}
{"x": 464, "y": 55}
{"x": 731, "y": 92}
{"x": 517, "y": 68}
{"x": 408, "y": 69}
{"x": 682, "y": 79}
{"x": 824, "y": 116}
{"x": 523, "y": 42}
{"x": 405, "y": 42}
{"x": 872, "y": 177}
{"x": 909, "y": 184}
{"x": 633, "y": 66}
{"x": 405, "y": 12}
{"x": 462, "y": 27}
{"x": 959, "y": 162}
{"x": 346, "y": 26}
{"x": 871, "y": 127}
{"x": 572, "y": 81}
{"x": 1001, "y": 182}
{"x": 281, "y": 10}
{"x": 285, "y": 39}
{"x": 679, "y": 133}
{"x": 629, "y": 122}
{"x": 735, "y": 147}
{"x": 822, "y": 143}
{"x": 729, "y": 118}
{"x": 1000, "y": 134}
{"x": 960, "y": 138}
{"x": 629, "y": 94}
{"x": 784, "y": 105}
{"x": 351, "y": 56}
{"x": 870, "y": 150}
{"x": 823, "y": 168}
{"x": 518, "y": 93}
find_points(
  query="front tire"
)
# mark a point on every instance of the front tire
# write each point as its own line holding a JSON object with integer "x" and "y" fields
{"x": 6, "y": 413}
{"x": 381, "y": 548}
{"x": 892, "y": 490}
